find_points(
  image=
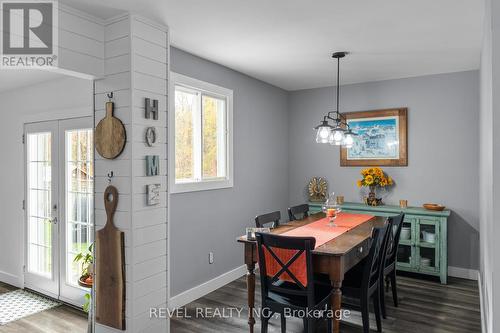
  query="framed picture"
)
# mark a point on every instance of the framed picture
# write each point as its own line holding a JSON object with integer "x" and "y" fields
{"x": 381, "y": 140}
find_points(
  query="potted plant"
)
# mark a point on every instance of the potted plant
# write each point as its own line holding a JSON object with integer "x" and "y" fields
{"x": 374, "y": 178}
{"x": 86, "y": 260}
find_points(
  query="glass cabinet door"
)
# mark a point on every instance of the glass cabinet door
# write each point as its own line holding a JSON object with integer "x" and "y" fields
{"x": 428, "y": 245}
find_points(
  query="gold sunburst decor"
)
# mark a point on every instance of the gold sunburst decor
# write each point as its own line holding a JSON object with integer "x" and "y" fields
{"x": 317, "y": 188}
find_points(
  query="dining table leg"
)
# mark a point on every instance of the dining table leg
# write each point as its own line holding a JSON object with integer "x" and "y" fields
{"x": 251, "y": 294}
{"x": 336, "y": 303}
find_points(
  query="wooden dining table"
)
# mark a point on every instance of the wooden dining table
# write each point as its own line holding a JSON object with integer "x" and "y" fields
{"x": 333, "y": 258}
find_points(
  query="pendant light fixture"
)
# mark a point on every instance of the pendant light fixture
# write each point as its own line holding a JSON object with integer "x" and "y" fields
{"x": 338, "y": 134}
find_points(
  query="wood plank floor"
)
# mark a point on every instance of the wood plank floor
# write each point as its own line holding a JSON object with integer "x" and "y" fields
{"x": 425, "y": 306}
{"x": 61, "y": 319}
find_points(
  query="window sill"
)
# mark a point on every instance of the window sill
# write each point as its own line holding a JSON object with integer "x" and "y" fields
{"x": 201, "y": 186}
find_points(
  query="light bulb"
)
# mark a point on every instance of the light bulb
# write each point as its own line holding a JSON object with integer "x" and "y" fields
{"x": 348, "y": 141}
{"x": 338, "y": 137}
{"x": 323, "y": 134}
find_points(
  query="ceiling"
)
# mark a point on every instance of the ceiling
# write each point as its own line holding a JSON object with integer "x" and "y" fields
{"x": 11, "y": 79}
{"x": 288, "y": 43}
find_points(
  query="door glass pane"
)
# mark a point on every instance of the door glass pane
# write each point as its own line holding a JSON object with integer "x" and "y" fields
{"x": 185, "y": 104}
{"x": 79, "y": 192}
{"x": 213, "y": 137}
{"x": 39, "y": 203}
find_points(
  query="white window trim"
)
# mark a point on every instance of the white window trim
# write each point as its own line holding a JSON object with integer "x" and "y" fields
{"x": 228, "y": 181}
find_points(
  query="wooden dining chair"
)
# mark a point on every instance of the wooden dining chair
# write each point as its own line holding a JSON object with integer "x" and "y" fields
{"x": 389, "y": 267}
{"x": 265, "y": 219}
{"x": 283, "y": 289}
{"x": 362, "y": 282}
{"x": 298, "y": 212}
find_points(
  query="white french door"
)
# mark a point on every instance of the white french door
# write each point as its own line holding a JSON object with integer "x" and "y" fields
{"x": 59, "y": 205}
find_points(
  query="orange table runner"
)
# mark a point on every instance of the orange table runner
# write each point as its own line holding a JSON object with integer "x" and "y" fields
{"x": 322, "y": 232}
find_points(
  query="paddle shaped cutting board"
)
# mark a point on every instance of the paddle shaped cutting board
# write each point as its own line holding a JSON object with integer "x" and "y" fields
{"x": 110, "y": 268}
{"x": 110, "y": 135}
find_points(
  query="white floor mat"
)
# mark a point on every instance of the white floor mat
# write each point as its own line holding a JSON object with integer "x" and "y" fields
{"x": 18, "y": 304}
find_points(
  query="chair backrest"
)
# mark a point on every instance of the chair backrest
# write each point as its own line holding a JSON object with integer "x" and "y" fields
{"x": 393, "y": 242}
{"x": 298, "y": 212}
{"x": 285, "y": 265}
{"x": 262, "y": 220}
{"x": 371, "y": 272}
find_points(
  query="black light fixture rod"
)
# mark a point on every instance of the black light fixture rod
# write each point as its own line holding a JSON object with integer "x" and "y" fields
{"x": 338, "y": 85}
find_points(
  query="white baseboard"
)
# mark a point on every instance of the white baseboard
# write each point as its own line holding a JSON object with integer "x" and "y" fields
{"x": 205, "y": 288}
{"x": 463, "y": 273}
{"x": 11, "y": 279}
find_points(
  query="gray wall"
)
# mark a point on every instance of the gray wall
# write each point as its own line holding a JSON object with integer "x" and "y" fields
{"x": 442, "y": 144}
{"x": 211, "y": 220}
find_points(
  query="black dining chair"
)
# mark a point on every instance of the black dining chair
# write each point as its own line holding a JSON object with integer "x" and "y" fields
{"x": 282, "y": 289}
{"x": 262, "y": 220}
{"x": 391, "y": 257}
{"x": 362, "y": 282}
{"x": 298, "y": 212}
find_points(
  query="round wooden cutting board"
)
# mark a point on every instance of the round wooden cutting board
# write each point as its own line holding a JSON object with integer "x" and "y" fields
{"x": 110, "y": 135}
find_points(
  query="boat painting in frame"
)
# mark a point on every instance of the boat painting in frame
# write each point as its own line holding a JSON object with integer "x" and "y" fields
{"x": 381, "y": 141}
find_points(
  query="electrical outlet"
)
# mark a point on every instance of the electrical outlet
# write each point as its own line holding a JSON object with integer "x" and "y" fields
{"x": 210, "y": 258}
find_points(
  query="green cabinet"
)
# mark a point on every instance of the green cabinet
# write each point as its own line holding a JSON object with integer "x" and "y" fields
{"x": 423, "y": 243}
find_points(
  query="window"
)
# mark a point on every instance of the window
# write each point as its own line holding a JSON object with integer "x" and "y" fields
{"x": 202, "y": 154}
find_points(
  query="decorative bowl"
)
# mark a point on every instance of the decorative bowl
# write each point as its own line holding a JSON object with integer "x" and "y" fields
{"x": 433, "y": 206}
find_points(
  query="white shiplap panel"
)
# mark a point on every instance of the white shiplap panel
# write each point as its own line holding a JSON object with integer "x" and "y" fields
{"x": 81, "y": 26}
{"x": 139, "y": 202}
{"x": 150, "y": 251}
{"x": 121, "y": 98}
{"x": 81, "y": 44}
{"x": 149, "y": 217}
{"x": 121, "y": 168}
{"x": 117, "y": 29}
{"x": 149, "y": 50}
{"x": 149, "y": 83}
{"x": 140, "y": 150}
{"x": 150, "y": 67}
{"x": 117, "y": 47}
{"x": 125, "y": 155}
{"x": 149, "y": 285}
{"x": 113, "y": 82}
{"x": 118, "y": 64}
{"x": 123, "y": 184}
{"x": 139, "y": 134}
{"x": 81, "y": 63}
{"x": 149, "y": 268}
{"x": 150, "y": 234}
{"x": 143, "y": 304}
{"x": 141, "y": 182}
{"x": 143, "y": 323}
{"x": 149, "y": 33}
{"x": 139, "y": 119}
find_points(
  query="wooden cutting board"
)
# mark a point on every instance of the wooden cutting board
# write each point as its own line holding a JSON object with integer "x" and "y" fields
{"x": 110, "y": 135}
{"x": 110, "y": 268}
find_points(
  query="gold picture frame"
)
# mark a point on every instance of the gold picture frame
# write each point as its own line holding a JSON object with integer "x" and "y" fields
{"x": 393, "y": 122}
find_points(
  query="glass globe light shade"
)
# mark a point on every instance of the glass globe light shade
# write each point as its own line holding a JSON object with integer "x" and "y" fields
{"x": 337, "y": 137}
{"x": 348, "y": 140}
{"x": 323, "y": 134}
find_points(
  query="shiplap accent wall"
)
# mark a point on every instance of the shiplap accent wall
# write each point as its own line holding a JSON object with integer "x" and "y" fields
{"x": 81, "y": 42}
{"x": 136, "y": 67}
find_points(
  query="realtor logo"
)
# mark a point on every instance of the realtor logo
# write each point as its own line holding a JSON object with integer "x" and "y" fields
{"x": 29, "y": 34}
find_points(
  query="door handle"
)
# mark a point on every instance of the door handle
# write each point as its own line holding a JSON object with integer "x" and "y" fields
{"x": 53, "y": 220}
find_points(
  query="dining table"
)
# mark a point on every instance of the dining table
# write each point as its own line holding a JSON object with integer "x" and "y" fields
{"x": 333, "y": 258}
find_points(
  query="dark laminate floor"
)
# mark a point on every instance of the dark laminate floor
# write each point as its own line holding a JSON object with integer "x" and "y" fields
{"x": 62, "y": 319}
{"x": 425, "y": 307}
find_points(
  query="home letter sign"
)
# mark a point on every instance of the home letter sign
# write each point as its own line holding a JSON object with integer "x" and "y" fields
{"x": 151, "y": 109}
{"x": 152, "y": 165}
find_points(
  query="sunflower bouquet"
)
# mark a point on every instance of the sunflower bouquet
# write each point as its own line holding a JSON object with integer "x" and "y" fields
{"x": 373, "y": 178}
